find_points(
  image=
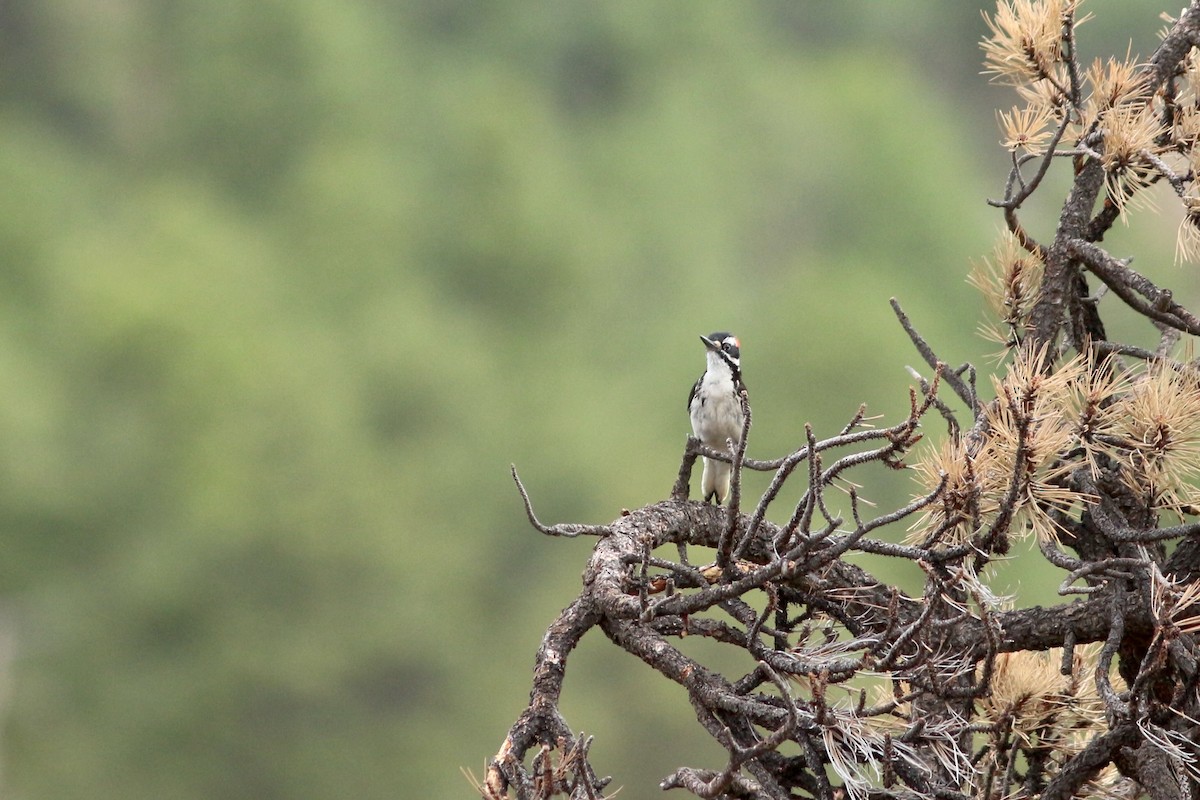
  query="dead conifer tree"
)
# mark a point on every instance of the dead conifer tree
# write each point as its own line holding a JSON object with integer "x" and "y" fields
{"x": 853, "y": 688}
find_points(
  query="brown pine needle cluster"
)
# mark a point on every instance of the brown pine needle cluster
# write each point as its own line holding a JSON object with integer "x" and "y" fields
{"x": 1025, "y": 694}
{"x": 1017, "y": 467}
{"x": 1113, "y": 83}
{"x": 964, "y": 505}
{"x": 1158, "y": 428}
{"x": 1025, "y": 44}
{"x": 1083, "y": 414}
{"x": 1043, "y": 95}
{"x": 1186, "y": 130}
{"x": 1176, "y": 602}
{"x": 1092, "y": 410}
{"x": 1026, "y": 129}
{"x": 1130, "y": 130}
{"x": 1037, "y": 712}
{"x": 1029, "y": 435}
{"x": 1130, "y": 136}
{"x": 1034, "y": 700}
{"x": 1009, "y": 280}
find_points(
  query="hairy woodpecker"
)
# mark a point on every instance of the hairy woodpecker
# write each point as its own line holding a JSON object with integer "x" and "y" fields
{"x": 716, "y": 410}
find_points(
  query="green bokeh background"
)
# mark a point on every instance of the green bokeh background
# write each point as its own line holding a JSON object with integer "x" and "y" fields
{"x": 286, "y": 286}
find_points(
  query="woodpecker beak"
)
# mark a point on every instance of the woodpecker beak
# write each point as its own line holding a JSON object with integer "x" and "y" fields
{"x": 710, "y": 344}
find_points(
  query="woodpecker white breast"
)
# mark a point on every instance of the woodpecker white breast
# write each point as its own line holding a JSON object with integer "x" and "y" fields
{"x": 716, "y": 411}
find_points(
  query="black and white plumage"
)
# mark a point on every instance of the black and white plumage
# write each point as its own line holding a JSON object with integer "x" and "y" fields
{"x": 716, "y": 410}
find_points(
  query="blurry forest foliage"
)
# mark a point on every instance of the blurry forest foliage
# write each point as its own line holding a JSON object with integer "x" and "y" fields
{"x": 286, "y": 286}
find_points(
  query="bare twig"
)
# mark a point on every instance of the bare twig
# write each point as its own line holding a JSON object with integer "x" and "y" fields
{"x": 562, "y": 529}
{"x": 956, "y": 383}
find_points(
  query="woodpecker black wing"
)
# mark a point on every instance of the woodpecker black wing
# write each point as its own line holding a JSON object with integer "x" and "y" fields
{"x": 695, "y": 389}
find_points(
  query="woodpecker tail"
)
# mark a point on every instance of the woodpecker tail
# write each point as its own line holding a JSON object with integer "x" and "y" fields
{"x": 715, "y": 481}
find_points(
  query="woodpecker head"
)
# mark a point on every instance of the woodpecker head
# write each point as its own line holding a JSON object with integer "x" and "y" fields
{"x": 724, "y": 348}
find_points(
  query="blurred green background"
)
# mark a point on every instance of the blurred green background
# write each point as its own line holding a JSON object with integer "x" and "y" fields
{"x": 286, "y": 286}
